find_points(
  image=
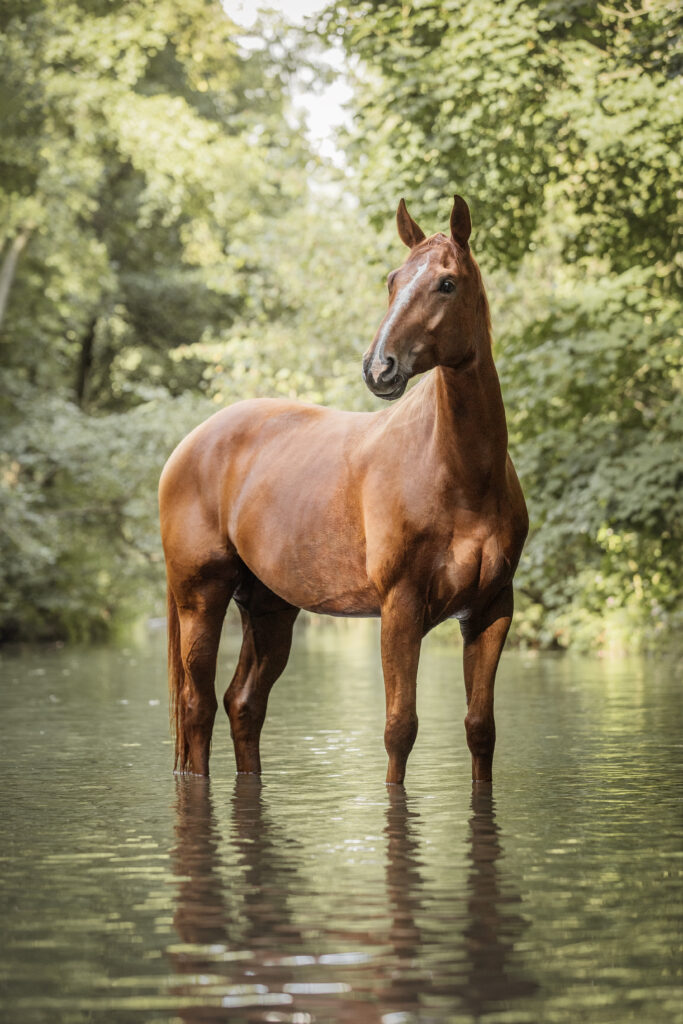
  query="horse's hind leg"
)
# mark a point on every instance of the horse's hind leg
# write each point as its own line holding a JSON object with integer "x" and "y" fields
{"x": 201, "y": 606}
{"x": 267, "y": 624}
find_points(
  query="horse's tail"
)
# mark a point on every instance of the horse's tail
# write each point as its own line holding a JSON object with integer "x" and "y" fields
{"x": 176, "y": 672}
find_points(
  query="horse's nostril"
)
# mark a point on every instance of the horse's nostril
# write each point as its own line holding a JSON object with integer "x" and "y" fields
{"x": 389, "y": 369}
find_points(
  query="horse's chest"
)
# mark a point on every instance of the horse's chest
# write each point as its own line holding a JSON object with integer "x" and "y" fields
{"x": 469, "y": 573}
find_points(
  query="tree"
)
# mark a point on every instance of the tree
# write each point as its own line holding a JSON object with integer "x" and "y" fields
{"x": 520, "y": 103}
{"x": 559, "y": 122}
{"x": 145, "y": 151}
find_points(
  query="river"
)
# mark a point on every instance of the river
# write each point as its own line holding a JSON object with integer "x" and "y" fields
{"x": 317, "y": 894}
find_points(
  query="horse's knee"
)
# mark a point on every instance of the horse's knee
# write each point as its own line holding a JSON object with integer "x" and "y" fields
{"x": 400, "y": 732}
{"x": 245, "y": 714}
{"x": 481, "y": 734}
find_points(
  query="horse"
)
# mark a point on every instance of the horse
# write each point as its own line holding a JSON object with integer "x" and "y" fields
{"x": 412, "y": 513}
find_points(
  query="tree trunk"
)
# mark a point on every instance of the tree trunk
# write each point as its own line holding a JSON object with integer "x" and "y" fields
{"x": 85, "y": 362}
{"x": 9, "y": 266}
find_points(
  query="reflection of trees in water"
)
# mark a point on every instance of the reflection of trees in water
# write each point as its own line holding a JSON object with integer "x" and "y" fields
{"x": 447, "y": 949}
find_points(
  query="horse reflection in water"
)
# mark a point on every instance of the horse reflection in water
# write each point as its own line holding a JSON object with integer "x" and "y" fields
{"x": 229, "y": 929}
{"x": 472, "y": 973}
{"x": 494, "y": 924}
{"x": 257, "y": 947}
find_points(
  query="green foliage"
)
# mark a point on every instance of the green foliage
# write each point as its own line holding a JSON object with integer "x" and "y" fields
{"x": 79, "y": 549}
{"x": 560, "y": 123}
{"x": 591, "y": 371}
{"x": 305, "y": 338}
{"x": 520, "y": 104}
{"x": 168, "y": 244}
{"x": 144, "y": 150}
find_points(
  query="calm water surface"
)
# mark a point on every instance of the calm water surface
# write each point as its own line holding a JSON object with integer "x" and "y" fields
{"x": 318, "y": 895}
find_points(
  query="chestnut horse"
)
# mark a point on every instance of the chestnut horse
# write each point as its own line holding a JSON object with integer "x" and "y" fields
{"x": 413, "y": 513}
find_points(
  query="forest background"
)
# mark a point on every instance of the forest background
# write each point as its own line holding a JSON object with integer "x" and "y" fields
{"x": 171, "y": 243}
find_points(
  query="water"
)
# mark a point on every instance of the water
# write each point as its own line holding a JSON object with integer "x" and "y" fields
{"x": 319, "y": 895}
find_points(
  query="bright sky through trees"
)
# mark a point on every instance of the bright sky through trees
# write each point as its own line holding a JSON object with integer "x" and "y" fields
{"x": 324, "y": 108}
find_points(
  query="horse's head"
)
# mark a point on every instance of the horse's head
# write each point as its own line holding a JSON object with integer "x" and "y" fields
{"x": 437, "y": 307}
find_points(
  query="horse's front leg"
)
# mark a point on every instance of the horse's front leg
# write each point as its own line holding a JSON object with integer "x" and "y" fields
{"x": 402, "y": 630}
{"x": 484, "y": 638}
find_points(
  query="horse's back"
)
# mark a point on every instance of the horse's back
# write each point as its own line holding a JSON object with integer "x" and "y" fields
{"x": 208, "y": 451}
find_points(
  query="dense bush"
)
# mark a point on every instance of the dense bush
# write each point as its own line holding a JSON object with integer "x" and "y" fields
{"x": 560, "y": 123}
{"x": 170, "y": 244}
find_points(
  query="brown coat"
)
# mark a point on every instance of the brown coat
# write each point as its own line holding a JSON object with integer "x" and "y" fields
{"x": 413, "y": 513}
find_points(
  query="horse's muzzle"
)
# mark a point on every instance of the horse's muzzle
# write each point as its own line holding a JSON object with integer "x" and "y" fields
{"x": 388, "y": 389}
{"x": 390, "y": 383}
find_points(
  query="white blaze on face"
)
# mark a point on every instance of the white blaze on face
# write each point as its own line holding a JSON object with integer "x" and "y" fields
{"x": 400, "y": 303}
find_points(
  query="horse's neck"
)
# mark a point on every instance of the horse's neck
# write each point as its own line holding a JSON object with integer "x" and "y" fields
{"x": 469, "y": 438}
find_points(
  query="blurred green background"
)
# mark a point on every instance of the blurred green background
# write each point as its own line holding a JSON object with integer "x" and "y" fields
{"x": 173, "y": 241}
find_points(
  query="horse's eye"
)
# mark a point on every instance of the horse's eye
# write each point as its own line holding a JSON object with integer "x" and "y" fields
{"x": 391, "y": 279}
{"x": 447, "y": 286}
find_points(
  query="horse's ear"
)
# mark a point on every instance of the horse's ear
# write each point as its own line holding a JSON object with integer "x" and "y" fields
{"x": 408, "y": 231}
{"x": 461, "y": 225}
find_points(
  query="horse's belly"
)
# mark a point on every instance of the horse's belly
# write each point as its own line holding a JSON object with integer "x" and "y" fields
{"x": 316, "y": 589}
{"x": 349, "y": 604}
{"x": 315, "y": 562}
{"x": 291, "y": 508}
